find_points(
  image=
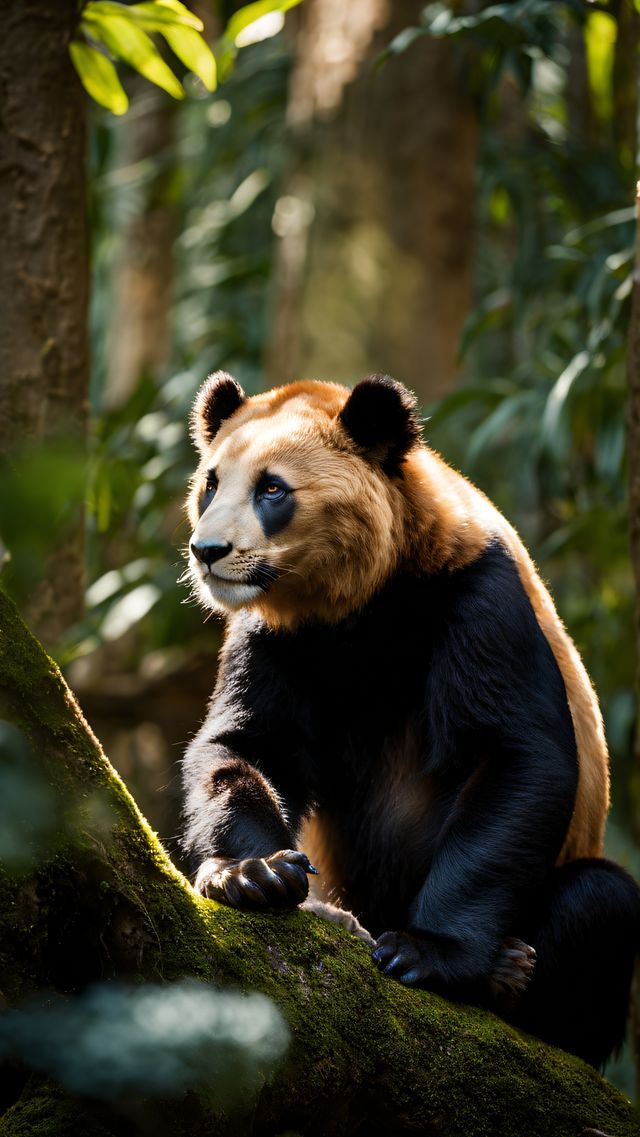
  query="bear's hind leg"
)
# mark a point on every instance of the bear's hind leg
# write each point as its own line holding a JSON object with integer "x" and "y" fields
{"x": 586, "y": 941}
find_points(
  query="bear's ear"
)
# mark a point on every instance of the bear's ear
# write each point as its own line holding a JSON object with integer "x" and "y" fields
{"x": 219, "y": 396}
{"x": 381, "y": 417}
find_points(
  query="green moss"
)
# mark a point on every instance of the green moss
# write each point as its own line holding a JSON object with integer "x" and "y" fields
{"x": 45, "y": 1111}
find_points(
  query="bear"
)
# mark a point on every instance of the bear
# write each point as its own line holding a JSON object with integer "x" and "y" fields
{"x": 399, "y": 703}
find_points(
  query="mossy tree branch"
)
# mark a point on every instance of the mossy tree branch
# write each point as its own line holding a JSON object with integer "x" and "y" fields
{"x": 366, "y": 1055}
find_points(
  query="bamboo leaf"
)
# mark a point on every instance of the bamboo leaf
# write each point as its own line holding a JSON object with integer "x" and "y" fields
{"x": 241, "y": 20}
{"x": 156, "y": 16}
{"x": 551, "y": 422}
{"x": 98, "y": 77}
{"x": 176, "y": 6}
{"x": 487, "y": 435}
{"x": 192, "y": 50}
{"x": 152, "y": 15}
{"x": 130, "y": 43}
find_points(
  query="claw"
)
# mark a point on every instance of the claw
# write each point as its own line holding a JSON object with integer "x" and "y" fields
{"x": 250, "y": 888}
{"x": 296, "y": 857}
{"x": 233, "y": 892}
{"x": 275, "y": 881}
{"x": 395, "y": 963}
{"x": 410, "y": 977}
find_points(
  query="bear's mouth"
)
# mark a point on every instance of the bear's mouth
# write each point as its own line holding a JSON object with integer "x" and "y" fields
{"x": 259, "y": 576}
{"x": 234, "y": 592}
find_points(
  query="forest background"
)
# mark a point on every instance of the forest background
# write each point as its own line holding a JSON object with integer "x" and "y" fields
{"x": 443, "y": 193}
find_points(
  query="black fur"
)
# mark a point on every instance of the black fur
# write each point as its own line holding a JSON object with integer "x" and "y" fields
{"x": 381, "y": 417}
{"x": 217, "y": 400}
{"x": 432, "y": 728}
{"x": 584, "y": 926}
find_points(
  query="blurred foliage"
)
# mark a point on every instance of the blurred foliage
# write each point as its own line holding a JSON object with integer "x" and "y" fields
{"x": 126, "y": 1044}
{"x": 28, "y": 812}
{"x": 506, "y": 36}
{"x": 45, "y": 484}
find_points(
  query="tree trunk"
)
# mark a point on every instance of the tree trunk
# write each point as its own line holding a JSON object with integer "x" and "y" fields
{"x": 139, "y": 333}
{"x": 625, "y": 84}
{"x": 366, "y": 1055}
{"x": 44, "y": 284}
{"x": 376, "y": 224}
{"x": 633, "y": 448}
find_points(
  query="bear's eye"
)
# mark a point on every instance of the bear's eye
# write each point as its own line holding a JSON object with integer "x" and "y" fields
{"x": 210, "y": 487}
{"x": 271, "y": 489}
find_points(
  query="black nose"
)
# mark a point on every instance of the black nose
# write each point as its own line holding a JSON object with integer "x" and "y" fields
{"x": 209, "y": 551}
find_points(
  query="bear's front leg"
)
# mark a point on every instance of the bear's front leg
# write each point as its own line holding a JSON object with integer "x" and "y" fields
{"x": 404, "y": 956}
{"x": 278, "y": 881}
{"x": 414, "y": 961}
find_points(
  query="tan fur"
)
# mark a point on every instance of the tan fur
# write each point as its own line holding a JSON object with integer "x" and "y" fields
{"x": 353, "y": 527}
{"x": 320, "y": 842}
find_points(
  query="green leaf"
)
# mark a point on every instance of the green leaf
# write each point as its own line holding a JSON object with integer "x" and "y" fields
{"x": 239, "y": 23}
{"x": 557, "y": 398}
{"x": 130, "y": 43}
{"x": 517, "y": 23}
{"x": 253, "y": 12}
{"x": 152, "y": 15}
{"x": 491, "y": 429}
{"x": 600, "y": 39}
{"x": 98, "y": 77}
{"x": 156, "y": 16}
{"x": 175, "y": 6}
{"x": 194, "y": 52}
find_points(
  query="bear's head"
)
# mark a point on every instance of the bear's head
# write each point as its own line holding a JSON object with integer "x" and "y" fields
{"x": 297, "y": 505}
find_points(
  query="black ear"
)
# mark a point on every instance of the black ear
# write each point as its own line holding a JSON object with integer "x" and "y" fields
{"x": 219, "y": 396}
{"x": 381, "y": 417}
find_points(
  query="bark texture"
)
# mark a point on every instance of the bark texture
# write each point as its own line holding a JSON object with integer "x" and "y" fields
{"x": 44, "y": 282}
{"x": 376, "y": 223}
{"x": 366, "y": 1057}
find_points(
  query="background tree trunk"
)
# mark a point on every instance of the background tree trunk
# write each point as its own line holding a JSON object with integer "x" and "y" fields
{"x": 625, "y": 83}
{"x": 381, "y": 201}
{"x": 44, "y": 285}
{"x": 633, "y": 447}
{"x": 138, "y": 341}
{"x": 367, "y": 1056}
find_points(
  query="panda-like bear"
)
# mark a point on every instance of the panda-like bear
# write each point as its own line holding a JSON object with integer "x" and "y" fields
{"x": 398, "y": 700}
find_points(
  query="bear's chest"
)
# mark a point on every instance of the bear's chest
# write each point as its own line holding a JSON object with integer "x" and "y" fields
{"x": 363, "y": 679}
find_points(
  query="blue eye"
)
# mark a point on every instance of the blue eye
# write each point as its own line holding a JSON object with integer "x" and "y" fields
{"x": 271, "y": 489}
